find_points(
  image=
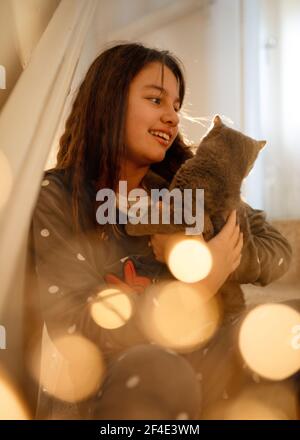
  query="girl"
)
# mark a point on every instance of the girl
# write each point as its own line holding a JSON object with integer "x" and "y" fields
{"x": 124, "y": 126}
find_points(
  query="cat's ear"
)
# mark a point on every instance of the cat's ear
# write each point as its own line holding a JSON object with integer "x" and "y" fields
{"x": 217, "y": 121}
{"x": 261, "y": 144}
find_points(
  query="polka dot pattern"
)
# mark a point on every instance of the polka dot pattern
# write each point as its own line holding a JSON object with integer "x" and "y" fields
{"x": 168, "y": 350}
{"x": 72, "y": 329}
{"x": 225, "y": 395}
{"x": 45, "y": 182}
{"x": 132, "y": 382}
{"x": 45, "y": 233}
{"x": 199, "y": 376}
{"x": 80, "y": 257}
{"x": 182, "y": 416}
{"x": 155, "y": 302}
{"x": 256, "y": 377}
{"x": 53, "y": 289}
{"x": 204, "y": 353}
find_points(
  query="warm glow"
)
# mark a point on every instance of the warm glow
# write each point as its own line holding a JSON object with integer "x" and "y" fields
{"x": 12, "y": 406}
{"x": 243, "y": 409}
{"x": 189, "y": 259}
{"x": 179, "y": 315}
{"x": 268, "y": 342}
{"x": 5, "y": 180}
{"x": 272, "y": 401}
{"x": 71, "y": 367}
{"x": 246, "y": 408}
{"x": 112, "y": 309}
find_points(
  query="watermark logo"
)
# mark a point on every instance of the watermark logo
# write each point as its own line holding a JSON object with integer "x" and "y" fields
{"x": 187, "y": 207}
{"x": 2, "y": 337}
{"x": 2, "y": 77}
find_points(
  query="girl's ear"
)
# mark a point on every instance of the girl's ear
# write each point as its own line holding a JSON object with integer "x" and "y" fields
{"x": 217, "y": 121}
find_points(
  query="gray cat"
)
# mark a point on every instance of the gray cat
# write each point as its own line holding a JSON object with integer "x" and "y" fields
{"x": 223, "y": 159}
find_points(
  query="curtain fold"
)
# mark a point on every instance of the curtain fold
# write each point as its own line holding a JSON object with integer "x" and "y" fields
{"x": 28, "y": 123}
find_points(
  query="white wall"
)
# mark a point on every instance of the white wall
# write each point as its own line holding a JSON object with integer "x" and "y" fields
{"x": 115, "y": 15}
{"x": 208, "y": 43}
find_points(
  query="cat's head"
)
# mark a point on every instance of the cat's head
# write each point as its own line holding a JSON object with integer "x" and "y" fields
{"x": 243, "y": 150}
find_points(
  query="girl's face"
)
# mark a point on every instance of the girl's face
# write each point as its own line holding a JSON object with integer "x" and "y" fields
{"x": 152, "y": 115}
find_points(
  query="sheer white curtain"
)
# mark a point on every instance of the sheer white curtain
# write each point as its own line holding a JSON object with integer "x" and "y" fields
{"x": 28, "y": 124}
{"x": 288, "y": 177}
{"x": 250, "y": 94}
{"x": 271, "y": 103}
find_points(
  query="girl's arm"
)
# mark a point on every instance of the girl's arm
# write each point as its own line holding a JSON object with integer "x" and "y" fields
{"x": 266, "y": 255}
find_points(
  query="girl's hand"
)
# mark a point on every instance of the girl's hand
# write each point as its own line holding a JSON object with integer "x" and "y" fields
{"x": 159, "y": 242}
{"x": 225, "y": 248}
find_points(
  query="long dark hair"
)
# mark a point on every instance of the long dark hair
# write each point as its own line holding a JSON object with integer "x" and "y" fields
{"x": 92, "y": 145}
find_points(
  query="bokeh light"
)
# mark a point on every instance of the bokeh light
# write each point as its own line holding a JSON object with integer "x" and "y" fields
{"x": 179, "y": 316}
{"x": 243, "y": 409}
{"x": 267, "y": 341}
{"x": 189, "y": 259}
{"x": 70, "y": 368}
{"x": 111, "y": 309}
{"x": 12, "y": 405}
{"x": 272, "y": 401}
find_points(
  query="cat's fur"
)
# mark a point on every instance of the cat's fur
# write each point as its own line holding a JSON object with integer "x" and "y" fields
{"x": 223, "y": 159}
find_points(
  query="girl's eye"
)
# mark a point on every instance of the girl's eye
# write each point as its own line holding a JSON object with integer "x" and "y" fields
{"x": 155, "y": 100}
{"x": 158, "y": 102}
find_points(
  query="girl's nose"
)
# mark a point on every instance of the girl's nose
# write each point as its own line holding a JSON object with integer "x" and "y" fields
{"x": 170, "y": 117}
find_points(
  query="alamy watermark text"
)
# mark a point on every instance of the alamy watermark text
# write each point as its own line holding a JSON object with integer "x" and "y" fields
{"x": 187, "y": 207}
